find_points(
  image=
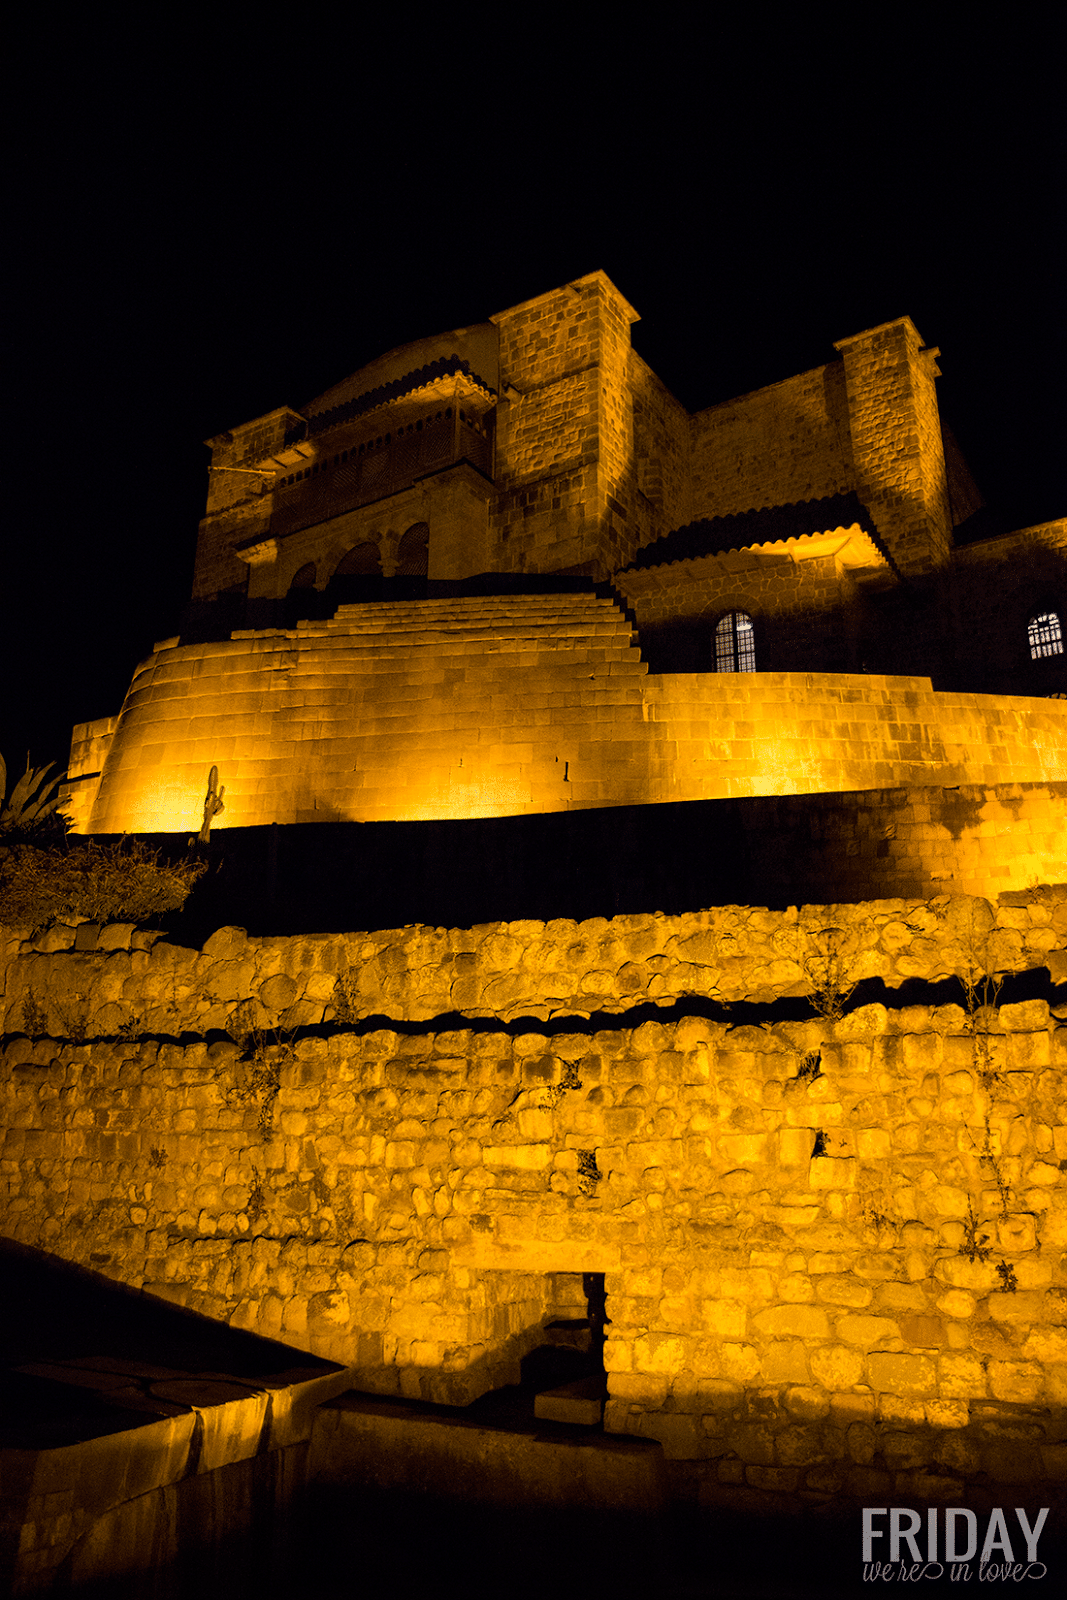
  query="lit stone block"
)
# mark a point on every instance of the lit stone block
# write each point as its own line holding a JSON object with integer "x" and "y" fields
{"x": 724, "y": 1317}
{"x": 530, "y": 1157}
{"x": 1019, "y": 1382}
{"x": 798, "y": 1321}
{"x": 902, "y": 1374}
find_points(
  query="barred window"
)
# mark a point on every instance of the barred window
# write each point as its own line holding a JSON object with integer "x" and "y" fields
{"x": 1045, "y": 635}
{"x": 735, "y": 643}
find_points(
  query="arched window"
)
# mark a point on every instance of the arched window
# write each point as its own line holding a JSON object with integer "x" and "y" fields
{"x": 304, "y": 578}
{"x": 362, "y": 561}
{"x": 735, "y": 643}
{"x": 1045, "y": 635}
{"x": 413, "y": 555}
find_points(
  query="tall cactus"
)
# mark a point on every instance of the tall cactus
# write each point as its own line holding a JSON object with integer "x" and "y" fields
{"x": 212, "y": 804}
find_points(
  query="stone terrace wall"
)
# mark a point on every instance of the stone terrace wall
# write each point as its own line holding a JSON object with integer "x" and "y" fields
{"x": 85, "y": 983}
{"x": 834, "y": 1251}
{"x": 964, "y": 840}
{"x": 501, "y": 706}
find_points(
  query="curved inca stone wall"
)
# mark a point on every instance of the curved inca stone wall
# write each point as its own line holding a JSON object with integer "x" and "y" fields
{"x": 834, "y": 1250}
{"x": 501, "y": 706}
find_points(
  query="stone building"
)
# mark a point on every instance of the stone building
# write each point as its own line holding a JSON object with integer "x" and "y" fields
{"x": 791, "y": 1163}
{"x": 503, "y": 570}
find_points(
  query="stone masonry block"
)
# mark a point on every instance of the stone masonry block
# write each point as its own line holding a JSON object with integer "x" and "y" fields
{"x": 800, "y": 1321}
{"x": 902, "y": 1374}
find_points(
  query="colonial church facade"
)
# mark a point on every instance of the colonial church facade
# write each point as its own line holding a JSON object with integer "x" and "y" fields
{"x": 503, "y": 570}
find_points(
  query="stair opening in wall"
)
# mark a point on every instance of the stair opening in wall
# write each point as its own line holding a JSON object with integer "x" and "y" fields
{"x": 562, "y": 1376}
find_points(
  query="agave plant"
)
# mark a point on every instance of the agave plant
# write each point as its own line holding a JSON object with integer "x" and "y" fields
{"x": 32, "y": 802}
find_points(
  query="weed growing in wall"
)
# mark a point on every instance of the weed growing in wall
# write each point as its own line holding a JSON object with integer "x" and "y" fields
{"x": 810, "y": 1068}
{"x": 257, "y": 1200}
{"x": 1009, "y": 1283}
{"x": 980, "y": 994}
{"x": 974, "y": 924}
{"x": 980, "y": 1007}
{"x": 827, "y": 957}
{"x": 569, "y": 1079}
{"x": 258, "y": 1069}
{"x": 589, "y": 1174}
{"x": 72, "y": 1012}
{"x": 345, "y": 998}
{"x": 34, "y": 1016}
{"x": 974, "y": 1243}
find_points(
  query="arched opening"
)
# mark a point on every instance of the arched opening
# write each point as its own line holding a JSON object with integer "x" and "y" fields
{"x": 357, "y": 576}
{"x": 301, "y": 601}
{"x": 735, "y": 643}
{"x": 362, "y": 561}
{"x": 1044, "y": 634}
{"x": 303, "y": 578}
{"x": 413, "y": 554}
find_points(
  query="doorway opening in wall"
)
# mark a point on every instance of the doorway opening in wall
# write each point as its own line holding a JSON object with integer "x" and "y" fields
{"x": 562, "y": 1374}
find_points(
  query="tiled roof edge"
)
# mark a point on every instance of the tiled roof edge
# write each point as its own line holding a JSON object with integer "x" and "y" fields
{"x": 445, "y": 367}
{"x": 719, "y": 535}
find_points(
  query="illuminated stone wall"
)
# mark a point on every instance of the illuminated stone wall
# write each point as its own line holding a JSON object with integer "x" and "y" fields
{"x": 564, "y": 458}
{"x": 1002, "y": 583}
{"x": 802, "y": 611}
{"x": 497, "y": 706}
{"x": 954, "y": 840}
{"x": 583, "y": 453}
{"x": 776, "y": 446}
{"x": 896, "y": 442}
{"x": 834, "y": 1250}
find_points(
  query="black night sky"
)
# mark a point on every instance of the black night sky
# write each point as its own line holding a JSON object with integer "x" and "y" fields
{"x": 209, "y": 226}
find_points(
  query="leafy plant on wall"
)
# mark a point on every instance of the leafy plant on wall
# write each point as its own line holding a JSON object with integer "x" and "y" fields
{"x": 33, "y": 803}
{"x": 258, "y": 1069}
{"x": 46, "y": 875}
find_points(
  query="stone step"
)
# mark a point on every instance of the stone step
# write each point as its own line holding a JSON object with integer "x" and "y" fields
{"x": 571, "y": 1332}
{"x": 511, "y": 627}
{"x": 387, "y": 617}
{"x": 580, "y": 1402}
{"x": 515, "y": 601}
{"x": 547, "y": 637}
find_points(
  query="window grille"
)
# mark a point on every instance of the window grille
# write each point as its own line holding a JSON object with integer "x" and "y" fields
{"x": 735, "y": 643}
{"x": 1045, "y": 635}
